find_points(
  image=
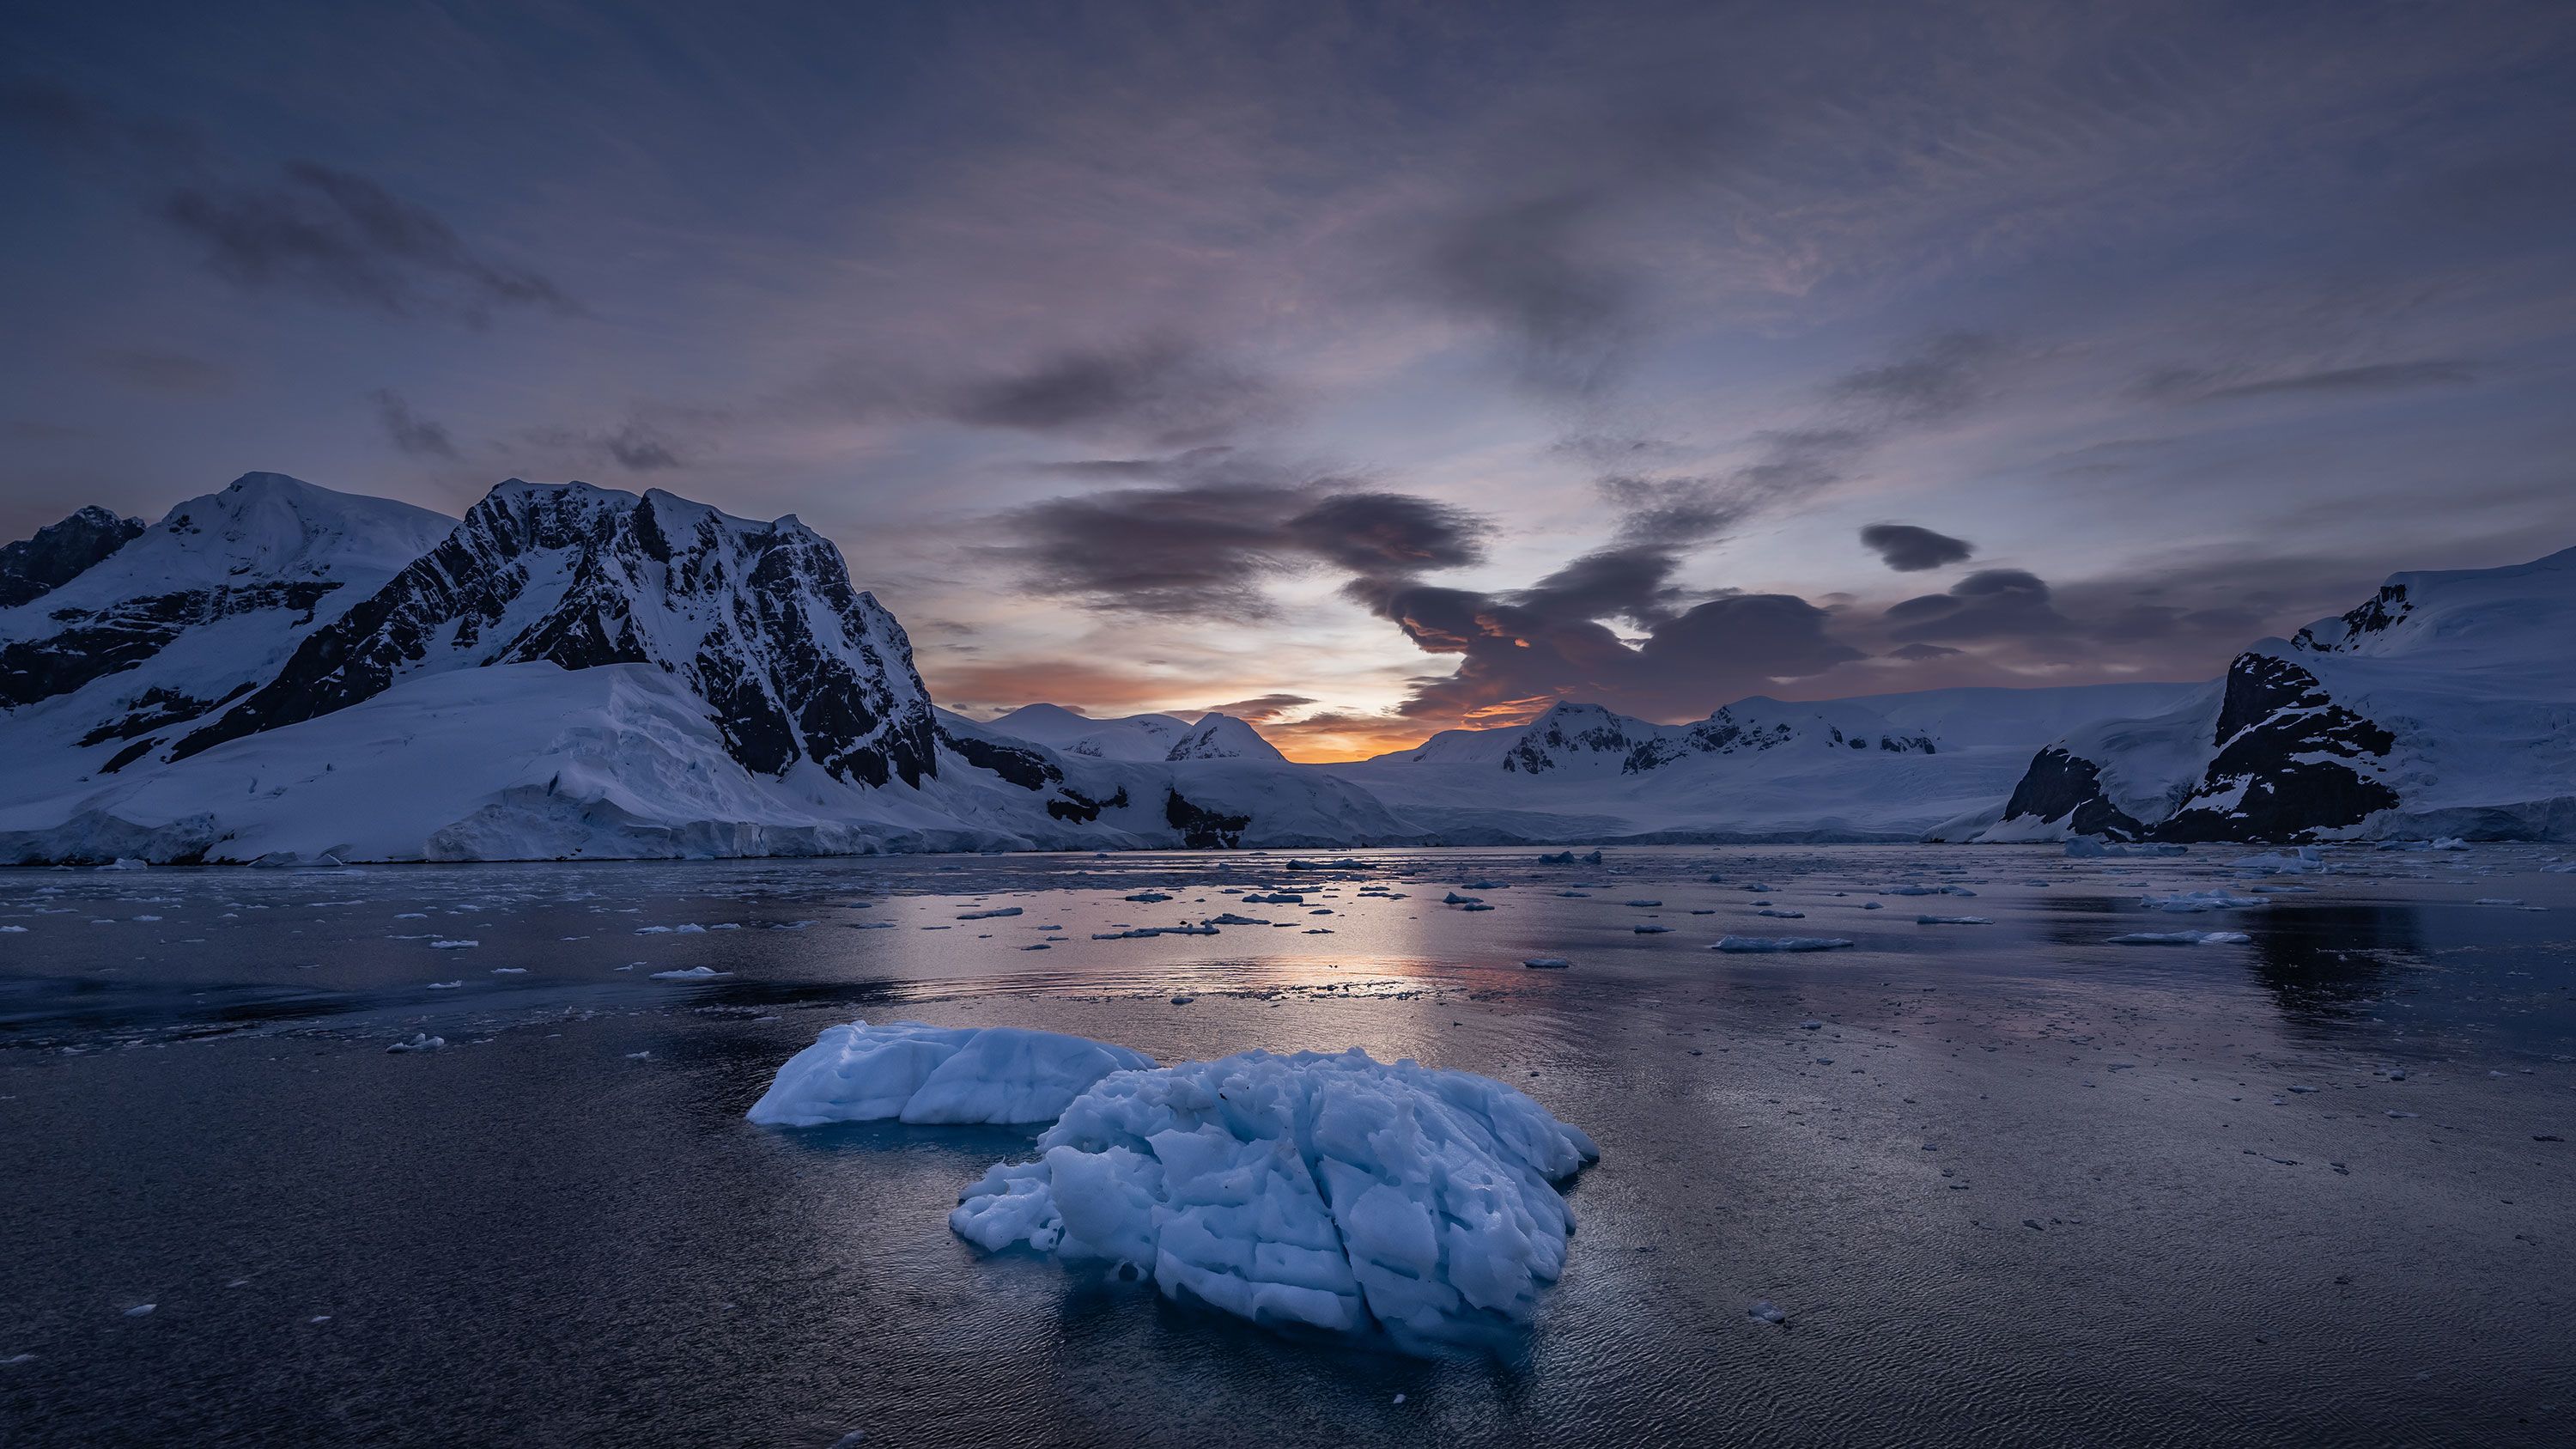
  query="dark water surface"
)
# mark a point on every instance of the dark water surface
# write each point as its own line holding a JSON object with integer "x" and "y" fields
{"x": 2019, "y": 1185}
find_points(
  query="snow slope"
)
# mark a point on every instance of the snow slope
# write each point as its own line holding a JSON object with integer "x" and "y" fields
{"x": 1755, "y": 769}
{"x": 2445, "y": 705}
{"x": 1223, "y": 737}
{"x": 114, "y": 662}
{"x": 1134, "y": 737}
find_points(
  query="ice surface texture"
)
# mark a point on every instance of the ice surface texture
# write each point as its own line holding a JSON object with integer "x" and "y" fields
{"x": 995, "y": 1075}
{"x": 1333, "y": 1192}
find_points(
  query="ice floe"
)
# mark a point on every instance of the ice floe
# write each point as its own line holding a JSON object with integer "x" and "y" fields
{"x": 1330, "y": 1192}
{"x": 1779, "y": 943}
{"x": 910, "y": 1072}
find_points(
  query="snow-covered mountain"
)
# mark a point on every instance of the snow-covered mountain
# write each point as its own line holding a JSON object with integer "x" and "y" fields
{"x": 113, "y": 661}
{"x": 1223, "y": 737}
{"x": 2446, "y": 704}
{"x": 59, "y": 551}
{"x": 757, "y": 619}
{"x": 282, "y": 671}
{"x": 1756, "y": 769}
{"x": 570, "y": 670}
{"x": 1067, "y": 732}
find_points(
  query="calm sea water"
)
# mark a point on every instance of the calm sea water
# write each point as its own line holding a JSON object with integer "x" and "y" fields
{"x": 2017, "y": 1185}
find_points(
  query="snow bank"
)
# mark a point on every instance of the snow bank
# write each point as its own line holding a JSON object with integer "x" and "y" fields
{"x": 996, "y": 1075}
{"x": 1333, "y": 1192}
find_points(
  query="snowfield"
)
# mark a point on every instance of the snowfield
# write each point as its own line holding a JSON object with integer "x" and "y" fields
{"x": 1325, "y": 1192}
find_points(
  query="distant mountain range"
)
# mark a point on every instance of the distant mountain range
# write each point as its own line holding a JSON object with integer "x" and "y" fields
{"x": 283, "y": 672}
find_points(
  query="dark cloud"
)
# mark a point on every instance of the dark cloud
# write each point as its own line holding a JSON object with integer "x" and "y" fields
{"x": 1987, "y": 604}
{"x": 1213, "y": 547}
{"x": 2198, "y": 385}
{"x": 1167, "y": 390}
{"x": 1521, "y": 653}
{"x": 1909, "y": 549}
{"x": 409, "y": 432}
{"x": 1260, "y": 709}
{"x": 1675, "y": 512}
{"x": 170, "y": 372}
{"x": 638, "y": 449}
{"x": 1921, "y": 653}
{"x": 339, "y": 237}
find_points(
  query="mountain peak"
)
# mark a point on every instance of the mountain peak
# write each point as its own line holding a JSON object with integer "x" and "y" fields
{"x": 1223, "y": 737}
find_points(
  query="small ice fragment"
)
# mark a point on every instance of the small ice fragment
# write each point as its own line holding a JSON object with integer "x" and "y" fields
{"x": 1766, "y": 1312}
{"x": 693, "y": 973}
{"x": 421, "y": 1041}
{"x": 1546, "y": 963}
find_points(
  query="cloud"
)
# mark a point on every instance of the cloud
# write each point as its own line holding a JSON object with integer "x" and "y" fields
{"x": 642, "y": 444}
{"x": 410, "y": 433}
{"x": 1987, "y": 604}
{"x": 1261, "y": 709}
{"x": 1536, "y": 252}
{"x": 1168, "y": 390}
{"x": 170, "y": 372}
{"x": 1521, "y": 653}
{"x": 2200, "y": 385}
{"x": 1944, "y": 377}
{"x": 1921, "y": 653}
{"x": 1909, "y": 549}
{"x": 339, "y": 237}
{"x": 1212, "y": 547}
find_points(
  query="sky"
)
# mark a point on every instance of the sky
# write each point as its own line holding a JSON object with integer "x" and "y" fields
{"x": 1364, "y": 370}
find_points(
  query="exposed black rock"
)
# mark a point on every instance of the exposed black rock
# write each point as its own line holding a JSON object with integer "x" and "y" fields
{"x": 1025, "y": 768}
{"x": 60, "y": 552}
{"x": 93, "y": 645}
{"x": 1203, "y": 829}
{"x": 2061, "y": 785}
{"x": 2280, "y": 773}
{"x": 1074, "y": 806}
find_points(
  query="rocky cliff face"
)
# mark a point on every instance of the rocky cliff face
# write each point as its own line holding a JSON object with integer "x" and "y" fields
{"x": 758, "y": 619}
{"x": 33, "y": 567}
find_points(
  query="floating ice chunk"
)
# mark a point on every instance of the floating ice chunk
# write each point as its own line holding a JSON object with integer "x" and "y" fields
{"x": 1335, "y": 1192}
{"x": 13, "y": 930}
{"x": 2182, "y": 938}
{"x": 452, "y": 945}
{"x": 1783, "y": 915}
{"x": 1650, "y": 930}
{"x": 1549, "y": 963}
{"x": 2480, "y": 901}
{"x": 1779, "y": 943}
{"x": 2190, "y": 901}
{"x": 1953, "y": 921}
{"x": 991, "y": 915}
{"x": 1147, "y": 897}
{"x": 1641, "y": 903}
{"x": 916, "y": 1073}
{"x": 1766, "y": 1312}
{"x": 445, "y": 985}
{"x": 693, "y": 973}
{"x": 2306, "y": 860}
{"x": 421, "y": 1041}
